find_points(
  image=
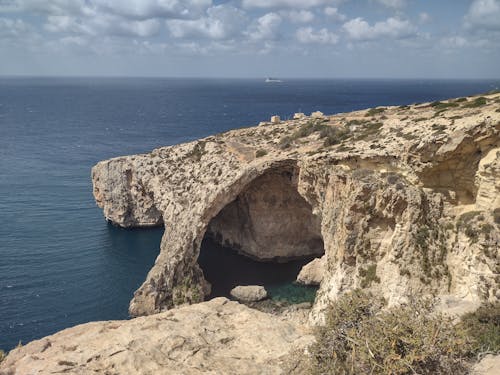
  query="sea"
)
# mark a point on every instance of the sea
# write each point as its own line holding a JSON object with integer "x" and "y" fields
{"x": 61, "y": 264}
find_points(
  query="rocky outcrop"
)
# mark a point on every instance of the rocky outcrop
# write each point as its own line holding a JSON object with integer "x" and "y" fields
{"x": 215, "y": 337}
{"x": 249, "y": 293}
{"x": 489, "y": 365}
{"x": 312, "y": 273}
{"x": 402, "y": 200}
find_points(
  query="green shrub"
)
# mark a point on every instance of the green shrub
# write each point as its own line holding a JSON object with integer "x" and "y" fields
{"x": 496, "y": 215}
{"x": 369, "y": 130}
{"x": 440, "y": 105}
{"x": 369, "y": 276}
{"x": 484, "y": 326}
{"x": 460, "y": 100}
{"x": 260, "y": 153}
{"x": 478, "y": 102}
{"x": 375, "y": 111}
{"x": 3, "y": 355}
{"x": 285, "y": 142}
{"x": 333, "y": 135}
{"x": 360, "y": 338}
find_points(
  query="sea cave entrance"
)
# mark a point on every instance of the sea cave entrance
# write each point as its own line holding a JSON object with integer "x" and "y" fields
{"x": 263, "y": 237}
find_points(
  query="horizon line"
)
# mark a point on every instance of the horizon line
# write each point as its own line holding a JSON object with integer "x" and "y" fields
{"x": 3, "y": 76}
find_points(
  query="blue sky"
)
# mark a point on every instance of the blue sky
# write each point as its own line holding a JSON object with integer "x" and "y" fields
{"x": 251, "y": 38}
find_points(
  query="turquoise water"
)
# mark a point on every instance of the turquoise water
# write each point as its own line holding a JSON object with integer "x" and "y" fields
{"x": 60, "y": 263}
{"x": 224, "y": 268}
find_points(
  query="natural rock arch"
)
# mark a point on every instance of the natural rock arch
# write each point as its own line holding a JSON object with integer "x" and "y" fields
{"x": 269, "y": 220}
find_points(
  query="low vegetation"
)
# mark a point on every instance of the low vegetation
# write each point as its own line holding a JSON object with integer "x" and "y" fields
{"x": 332, "y": 135}
{"x": 467, "y": 223}
{"x": 361, "y": 337}
{"x": 369, "y": 276}
{"x": 496, "y": 215}
{"x": 3, "y": 355}
{"x": 478, "y": 102}
{"x": 260, "y": 153}
{"x": 483, "y": 326}
{"x": 440, "y": 105}
{"x": 375, "y": 111}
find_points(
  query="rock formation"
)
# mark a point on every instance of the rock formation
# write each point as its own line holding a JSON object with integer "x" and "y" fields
{"x": 249, "y": 293}
{"x": 312, "y": 273}
{"x": 402, "y": 200}
{"x": 215, "y": 337}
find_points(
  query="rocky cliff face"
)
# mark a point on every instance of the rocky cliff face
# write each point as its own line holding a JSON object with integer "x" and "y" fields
{"x": 402, "y": 200}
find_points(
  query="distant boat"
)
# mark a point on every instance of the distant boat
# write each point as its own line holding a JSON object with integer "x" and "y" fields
{"x": 272, "y": 80}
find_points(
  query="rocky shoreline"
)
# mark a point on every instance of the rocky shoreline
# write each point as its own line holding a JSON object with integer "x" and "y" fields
{"x": 401, "y": 201}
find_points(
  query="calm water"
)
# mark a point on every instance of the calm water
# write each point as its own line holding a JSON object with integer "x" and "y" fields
{"x": 60, "y": 263}
{"x": 224, "y": 268}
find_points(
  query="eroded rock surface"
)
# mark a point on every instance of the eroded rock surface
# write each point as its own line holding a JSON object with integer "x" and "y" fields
{"x": 215, "y": 337}
{"x": 402, "y": 200}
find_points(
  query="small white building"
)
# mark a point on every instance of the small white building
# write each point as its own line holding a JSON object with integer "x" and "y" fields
{"x": 275, "y": 120}
{"x": 318, "y": 115}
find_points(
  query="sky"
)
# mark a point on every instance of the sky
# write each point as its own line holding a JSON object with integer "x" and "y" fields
{"x": 251, "y": 38}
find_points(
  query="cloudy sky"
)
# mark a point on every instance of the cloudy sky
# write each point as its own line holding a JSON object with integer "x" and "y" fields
{"x": 251, "y": 38}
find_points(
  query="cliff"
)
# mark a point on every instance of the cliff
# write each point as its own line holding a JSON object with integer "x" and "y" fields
{"x": 402, "y": 200}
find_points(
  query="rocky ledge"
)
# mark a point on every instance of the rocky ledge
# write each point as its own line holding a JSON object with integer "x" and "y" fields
{"x": 402, "y": 200}
{"x": 215, "y": 337}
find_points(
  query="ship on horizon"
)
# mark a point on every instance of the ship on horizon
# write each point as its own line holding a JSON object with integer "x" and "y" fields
{"x": 272, "y": 80}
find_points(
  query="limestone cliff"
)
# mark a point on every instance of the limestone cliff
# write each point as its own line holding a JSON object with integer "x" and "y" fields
{"x": 402, "y": 200}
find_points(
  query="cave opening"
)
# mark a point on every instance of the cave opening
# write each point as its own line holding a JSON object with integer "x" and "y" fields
{"x": 263, "y": 237}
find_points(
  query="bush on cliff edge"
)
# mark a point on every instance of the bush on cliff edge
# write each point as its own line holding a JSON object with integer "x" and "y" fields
{"x": 362, "y": 338}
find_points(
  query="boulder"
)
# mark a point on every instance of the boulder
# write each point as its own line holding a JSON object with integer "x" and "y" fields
{"x": 249, "y": 293}
{"x": 312, "y": 273}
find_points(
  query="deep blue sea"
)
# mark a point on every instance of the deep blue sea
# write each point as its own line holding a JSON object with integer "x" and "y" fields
{"x": 60, "y": 263}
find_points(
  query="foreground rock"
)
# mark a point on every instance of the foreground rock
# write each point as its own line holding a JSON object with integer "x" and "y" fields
{"x": 215, "y": 337}
{"x": 249, "y": 293}
{"x": 489, "y": 365}
{"x": 401, "y": 200}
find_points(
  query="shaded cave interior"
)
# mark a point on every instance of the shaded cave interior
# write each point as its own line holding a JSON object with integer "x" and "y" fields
{"x": 263, "y": 237}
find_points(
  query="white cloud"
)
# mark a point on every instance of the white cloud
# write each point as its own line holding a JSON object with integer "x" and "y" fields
{"x": 144, "y": 9}
{"x": 301, "y": 4}
{"x": 134, "y": 9}
{"x": 102, "y": 24}
{"x": 453, "y": 42}
{"x": 395, "y": 4}
{"x": 12, "y": 28}
{"x": 307, "y": 35}
{"x": 334, "y": 14}
{"x": 424, "y": 17}
{"x": 359, "y": 29}
{"x": 221, "y": 22}
{"x": 300, "y": 16}
{"x": 483, "y": 14}
{"x": 266, "y": 27}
